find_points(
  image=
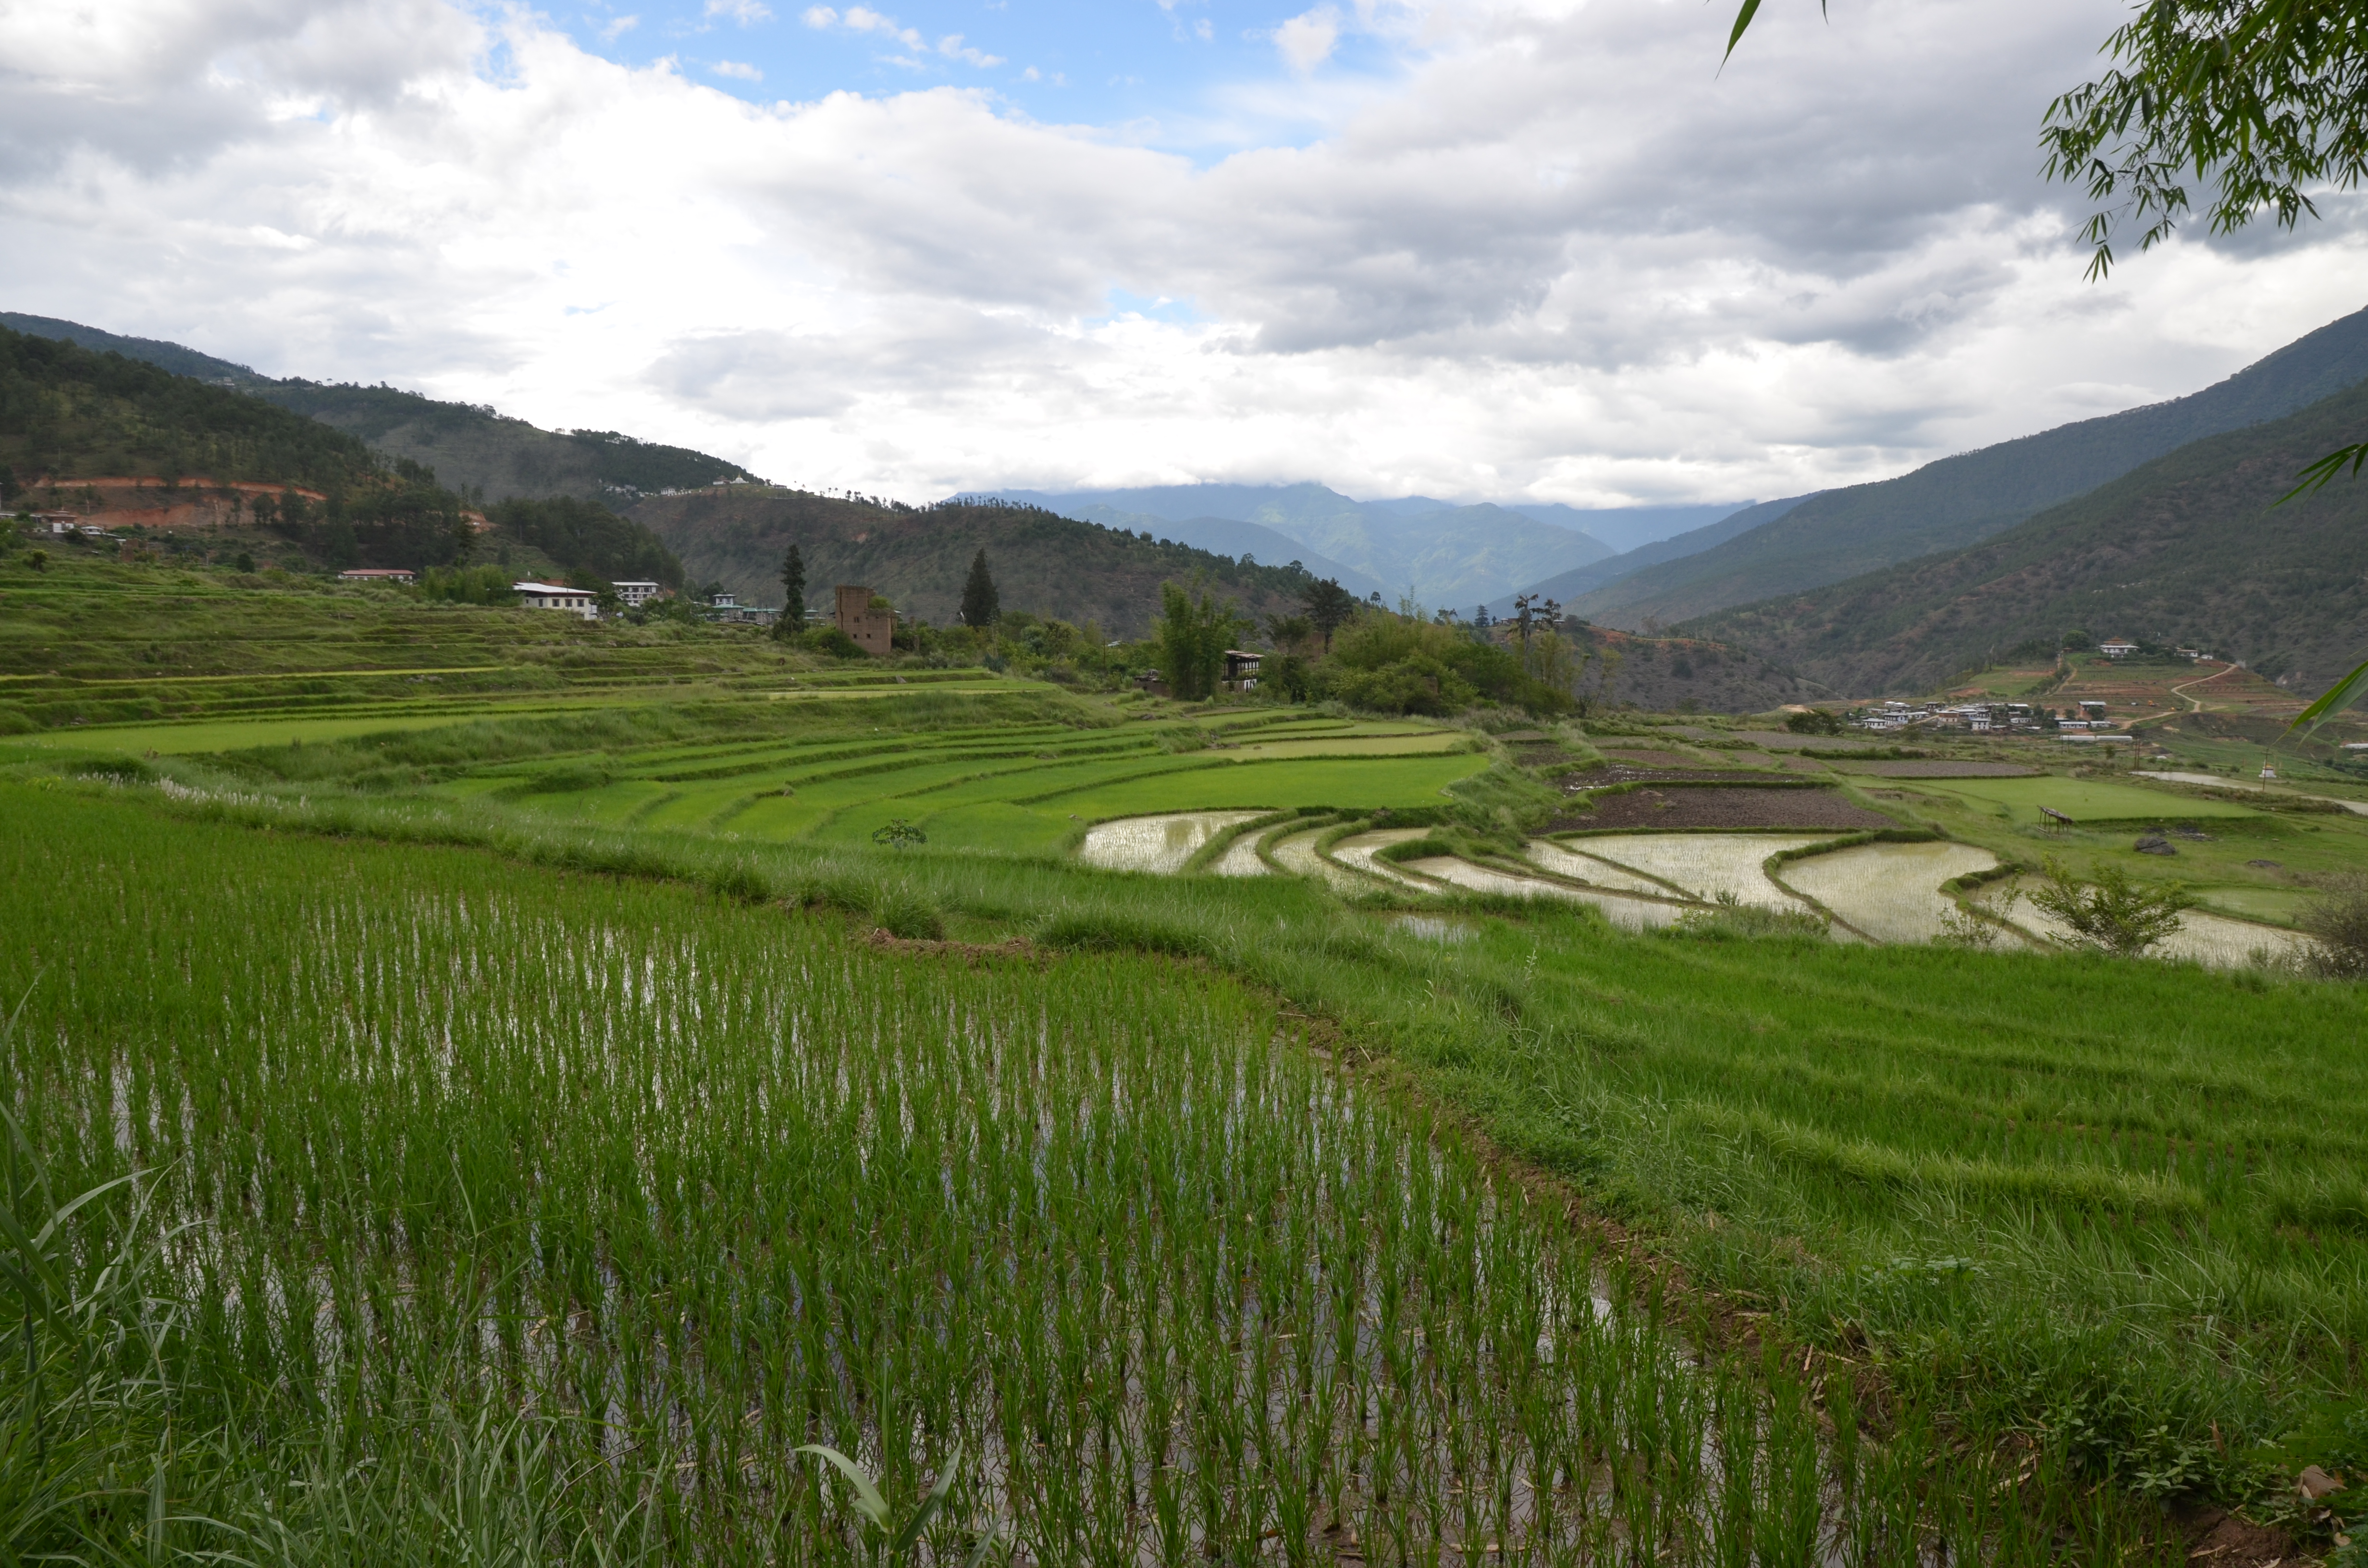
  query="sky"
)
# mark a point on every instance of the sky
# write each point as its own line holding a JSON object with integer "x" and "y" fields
{"x": 1514, "y": 249}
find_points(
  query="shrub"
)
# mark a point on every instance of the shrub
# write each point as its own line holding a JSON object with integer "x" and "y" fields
{"x": 1815, "y": 721}
{"x": 2114, "y": 915}
{"x": 830, "y": 639}
{"x": 2339, "y": 924}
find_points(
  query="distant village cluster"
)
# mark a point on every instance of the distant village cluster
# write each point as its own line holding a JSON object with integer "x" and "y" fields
{"x": 2088, "y": 720}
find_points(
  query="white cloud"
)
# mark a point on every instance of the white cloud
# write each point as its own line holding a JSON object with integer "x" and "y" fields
{"x": 953, "y": 48}
{"x": 747, "y": 13}
{"x": 1557, "y": 254}
{"x": 619, "y": 29}
{"x": 1307, "y": 39}
{"x": 737, "y": 71}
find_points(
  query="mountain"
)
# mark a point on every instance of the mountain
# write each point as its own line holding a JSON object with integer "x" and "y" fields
{"x": 1573, "y": 585}
{"x": 1628, "y": 529}
{"x": 198, "y": 466}
{"x": 1442, "y": 554}
{"x": 2187, "y": 549}
{"x": 68, "y": 412}
{"x": 471, "y": 448}
{"x": 1839, "y": 534}
{"x": 920, "y": 556}
{"x": 1226, "y": 536}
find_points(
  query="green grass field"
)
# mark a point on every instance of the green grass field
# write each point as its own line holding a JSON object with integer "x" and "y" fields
{"x": 537, "y": 1053}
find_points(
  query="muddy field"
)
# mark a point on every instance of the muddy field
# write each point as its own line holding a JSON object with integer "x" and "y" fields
{"x": 1710, "y": 806}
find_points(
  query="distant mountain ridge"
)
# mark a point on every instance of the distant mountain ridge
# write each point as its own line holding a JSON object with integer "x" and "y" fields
{"x": 471, "y": 448}
{"x": 1841, "y": 534}
{"x": 1445, "y": 555}
{"x": 2190, "y": 548}
{"x": 1574, "y": 586}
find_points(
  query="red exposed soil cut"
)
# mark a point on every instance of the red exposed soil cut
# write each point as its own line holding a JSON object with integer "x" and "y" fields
{"x": 1700, "y": 806}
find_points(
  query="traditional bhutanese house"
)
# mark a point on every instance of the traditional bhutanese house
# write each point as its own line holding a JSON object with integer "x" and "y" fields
{"x": 375, "y": 574}
{"x": 552, "y": 596}
{"x": 872, "y": 629}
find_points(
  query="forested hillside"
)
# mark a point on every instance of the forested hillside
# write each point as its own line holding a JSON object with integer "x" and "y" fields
{"x": 69, "y": 412}
{"x": 1947, "y": 505}
{"x": 2188, "y": 549}
{"x": 918, "y": 556}
{"x": 471, "y": 448}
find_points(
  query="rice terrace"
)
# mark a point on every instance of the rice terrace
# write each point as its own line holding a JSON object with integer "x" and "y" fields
{"x": 522, "y": 1089}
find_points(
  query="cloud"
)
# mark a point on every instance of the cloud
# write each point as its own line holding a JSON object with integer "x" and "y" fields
{"x": 737, "y": 71}
{"x": 953, "y": 48}
{"x": 1551, "y": 251}
{"x": 1307, "y": 39}
{"x": 747, "y": 13}
{"x": 619, "y": 29}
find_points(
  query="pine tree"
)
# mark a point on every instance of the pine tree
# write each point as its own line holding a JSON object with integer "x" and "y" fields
{"x": 793, "y": 596}
{"x": 979, "y": 605}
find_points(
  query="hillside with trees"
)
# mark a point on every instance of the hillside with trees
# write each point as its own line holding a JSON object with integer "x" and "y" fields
{"x": 920, "y": 557}
{"x": 1944, "y": 506}
{"x": 485, "y": 454}
{"x": 2190, "y": 549}
{"x": 69, "y": 412}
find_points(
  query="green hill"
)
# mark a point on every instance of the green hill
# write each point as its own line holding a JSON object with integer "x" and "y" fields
{"x": 472, "y": 447}
{"x": 1948, "y": 504}
{"x": 2186, "y": 548}
{"x": 68, "y": 411}
{"x": 736, "y": 536}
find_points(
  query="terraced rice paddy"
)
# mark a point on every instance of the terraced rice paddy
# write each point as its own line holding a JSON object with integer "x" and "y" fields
{"x": 1358, "y": 851}
{"x": 1158, "y": 844}
{"x": 1297, "y": 854}
{"x": 1889, "y": 893}
{"x": 1703, "y": 866}
{"x": 433, "y": 1149}
{"x": 1629, "y": 914}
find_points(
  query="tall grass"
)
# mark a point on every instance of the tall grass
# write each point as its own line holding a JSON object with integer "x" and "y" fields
{"x": 515, "y": 1216}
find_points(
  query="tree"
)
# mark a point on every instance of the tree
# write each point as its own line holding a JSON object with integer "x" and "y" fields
{"x": 1193, "y": 631}
{"x": 1288, "y": 631}
{"x": 793, "y": 596}
{"x": 2115, "y": 915}
{"x": 979, "y": 602}
{"x": 1330, "y": 608}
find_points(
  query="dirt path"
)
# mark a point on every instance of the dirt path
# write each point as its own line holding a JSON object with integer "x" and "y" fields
{"x": 2195, "y": 704}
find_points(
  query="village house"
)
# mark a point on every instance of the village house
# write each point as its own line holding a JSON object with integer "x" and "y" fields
{"x": 635, "y": 594}
{"x": 2117, "y": 648}
{"x": 375, "y": 574}
{"x": 1241, "y": 671}
{"x": 871, "y": 628}
{"x": 552, "y": 596}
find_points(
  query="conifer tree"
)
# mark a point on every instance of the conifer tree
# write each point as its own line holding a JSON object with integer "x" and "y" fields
{"x": 793, "y": 596}
{"x": 979, "y": 605}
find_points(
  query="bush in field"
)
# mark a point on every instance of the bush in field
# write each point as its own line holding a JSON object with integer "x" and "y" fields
{"x": 2339, "y": 923}
{"x": 1815, "y": 721}
{"x": 2113, "y": 915}
{"x": 1390, "y": 664}
{"x": 832, "y": 641}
